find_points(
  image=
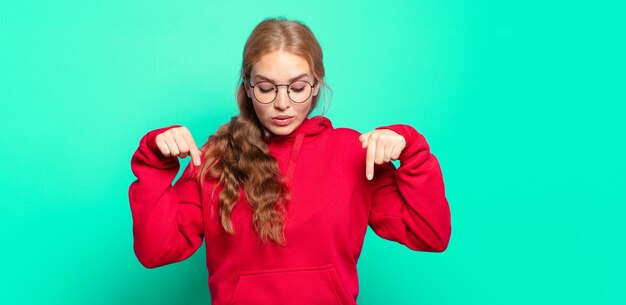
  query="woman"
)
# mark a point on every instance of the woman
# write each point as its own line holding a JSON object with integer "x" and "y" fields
{"x": 282, "y": 199}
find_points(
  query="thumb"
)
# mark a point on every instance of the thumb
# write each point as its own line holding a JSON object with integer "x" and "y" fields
{"x": 364, "y": 139}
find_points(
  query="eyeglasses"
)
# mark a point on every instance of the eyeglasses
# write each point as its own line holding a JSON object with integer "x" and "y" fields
{"x": 265, "y": 92}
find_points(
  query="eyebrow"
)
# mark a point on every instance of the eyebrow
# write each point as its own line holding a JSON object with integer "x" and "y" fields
{"x": 290, "y": 80}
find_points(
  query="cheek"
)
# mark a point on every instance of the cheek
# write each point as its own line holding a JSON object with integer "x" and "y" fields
{"x": 260, "y": 110}
{"x": 304, "y": 109}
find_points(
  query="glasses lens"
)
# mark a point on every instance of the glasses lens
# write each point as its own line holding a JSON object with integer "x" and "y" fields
{"x": 299, "y": 91}
{"x": 265, "y": 92}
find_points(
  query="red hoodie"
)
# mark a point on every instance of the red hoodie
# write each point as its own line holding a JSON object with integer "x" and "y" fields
{"x": 326, "y": 220}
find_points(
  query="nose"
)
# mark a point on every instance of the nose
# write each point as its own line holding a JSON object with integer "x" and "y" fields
{"x": 282, "y": 100}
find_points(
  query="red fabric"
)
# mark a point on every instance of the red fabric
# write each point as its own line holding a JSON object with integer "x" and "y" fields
{"x": 326, "y": 220}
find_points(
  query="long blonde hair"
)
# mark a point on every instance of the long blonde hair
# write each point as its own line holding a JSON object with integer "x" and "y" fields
{"x": 237, "y": 154}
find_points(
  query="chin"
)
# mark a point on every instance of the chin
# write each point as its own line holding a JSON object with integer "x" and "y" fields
{"x": 281, "y": 131}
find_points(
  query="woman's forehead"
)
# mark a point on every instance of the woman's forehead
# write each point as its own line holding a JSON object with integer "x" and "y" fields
{"x": 280, "y": 66}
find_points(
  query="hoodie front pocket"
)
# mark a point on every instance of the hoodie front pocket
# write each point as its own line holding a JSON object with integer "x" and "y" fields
{"x": 303, "y": 286}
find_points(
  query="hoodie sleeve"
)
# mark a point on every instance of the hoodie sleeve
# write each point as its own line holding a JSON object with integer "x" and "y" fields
{"x": 409, "y": 205}
{"x": 167, "y": 220}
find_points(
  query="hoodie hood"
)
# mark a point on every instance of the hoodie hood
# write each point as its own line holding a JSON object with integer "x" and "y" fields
{"x": 308, "y": 128}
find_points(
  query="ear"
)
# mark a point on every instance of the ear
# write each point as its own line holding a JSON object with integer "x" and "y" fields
{"x": 245, "y": 87}
{"x": 316, "y": 88}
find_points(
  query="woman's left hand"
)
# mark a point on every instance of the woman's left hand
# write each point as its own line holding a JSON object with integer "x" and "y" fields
{"x": 383, "y": 145}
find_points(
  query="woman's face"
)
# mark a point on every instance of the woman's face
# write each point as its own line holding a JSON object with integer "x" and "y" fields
{"x": 280, "y": 67}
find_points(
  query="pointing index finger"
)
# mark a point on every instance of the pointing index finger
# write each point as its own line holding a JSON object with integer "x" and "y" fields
{"x": 193, "y": 149}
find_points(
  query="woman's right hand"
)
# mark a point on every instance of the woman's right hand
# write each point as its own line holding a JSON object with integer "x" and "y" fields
{"x": 178, "y": 142}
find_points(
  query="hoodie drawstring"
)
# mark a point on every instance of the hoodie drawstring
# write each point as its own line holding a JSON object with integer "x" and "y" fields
{"x": 293, "y": 157}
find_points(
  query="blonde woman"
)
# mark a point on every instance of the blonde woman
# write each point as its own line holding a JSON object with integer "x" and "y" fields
{"x": 282, "y": 199}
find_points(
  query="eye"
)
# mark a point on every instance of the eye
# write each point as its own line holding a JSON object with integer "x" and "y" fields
{"x": 266, "y": 87}
{"x": 298, "y": 86}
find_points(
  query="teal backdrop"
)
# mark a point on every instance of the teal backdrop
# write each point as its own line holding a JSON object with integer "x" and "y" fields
{"x": 522, "y": 102}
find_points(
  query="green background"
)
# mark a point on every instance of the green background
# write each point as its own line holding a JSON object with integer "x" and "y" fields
{"x": 522, "y": 102}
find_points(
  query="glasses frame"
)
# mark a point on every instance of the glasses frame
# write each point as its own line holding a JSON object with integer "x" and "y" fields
{"x": 276, "y": 91}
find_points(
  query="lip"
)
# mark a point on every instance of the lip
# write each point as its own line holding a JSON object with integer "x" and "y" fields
{"x": 282, "y": 117}
{"x": 282, "y": 120}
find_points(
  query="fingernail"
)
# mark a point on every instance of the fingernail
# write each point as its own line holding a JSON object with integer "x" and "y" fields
{"x": 369, "y": 176}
